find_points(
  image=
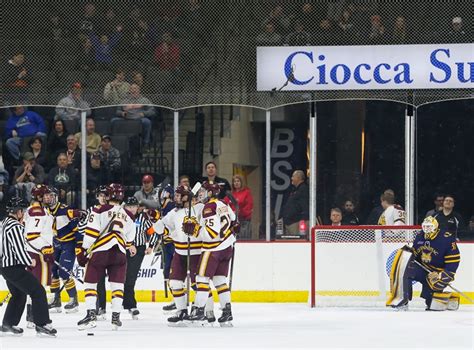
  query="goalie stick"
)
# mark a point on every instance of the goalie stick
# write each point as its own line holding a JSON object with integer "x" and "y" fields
{"x": 449, "y": 284}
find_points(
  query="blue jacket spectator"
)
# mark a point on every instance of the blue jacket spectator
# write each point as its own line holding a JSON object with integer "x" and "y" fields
{"x": 22, "y": 123}
{"x": 103, "y": 46}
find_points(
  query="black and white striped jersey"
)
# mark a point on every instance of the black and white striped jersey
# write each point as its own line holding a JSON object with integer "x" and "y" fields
{"x": 142, "y": 224}
{"x": 13, "y": 243}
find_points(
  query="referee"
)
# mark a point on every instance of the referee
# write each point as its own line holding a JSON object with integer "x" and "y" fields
{"x": 15, "y": 259}
{"x": 144, "y": 247}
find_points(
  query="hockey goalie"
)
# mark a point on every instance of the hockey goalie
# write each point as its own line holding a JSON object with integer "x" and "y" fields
{"x": 433, "y": 250}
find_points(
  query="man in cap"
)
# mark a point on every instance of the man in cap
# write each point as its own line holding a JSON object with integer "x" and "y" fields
{"x": 148, "y": 196}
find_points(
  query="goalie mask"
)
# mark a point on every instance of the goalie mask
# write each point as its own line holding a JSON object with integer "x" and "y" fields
{"x": 430, "y": 227}
{"x": 181, "y": 196}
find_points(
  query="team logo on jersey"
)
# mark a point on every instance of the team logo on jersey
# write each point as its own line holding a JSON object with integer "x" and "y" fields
{"x": 426, "y": 253}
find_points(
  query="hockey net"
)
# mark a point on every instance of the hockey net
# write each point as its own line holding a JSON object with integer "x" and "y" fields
{"x": 350, "y": 265}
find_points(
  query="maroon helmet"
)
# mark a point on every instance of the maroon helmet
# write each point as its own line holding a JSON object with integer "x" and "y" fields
{"x": 182, "y": 191}
{"x": 115, "y": 192}
{"x": 39, "y": 191}
{"x": 212, "y": 188}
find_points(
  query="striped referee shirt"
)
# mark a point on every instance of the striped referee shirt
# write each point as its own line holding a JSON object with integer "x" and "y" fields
{"x": 142, "y": 224}
{"x": 13, "y": 243}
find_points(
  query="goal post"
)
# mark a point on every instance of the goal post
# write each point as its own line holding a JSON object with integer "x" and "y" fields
{"x": 350, "y": 265}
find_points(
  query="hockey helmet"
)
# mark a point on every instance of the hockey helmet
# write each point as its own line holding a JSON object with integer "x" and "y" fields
{"x": 166, "y": 192}
{"x": 209, "y": 189}
{"x": 131, "y": 201}
{"x": 430, "y": 227}
{"x": 115, "y": 192}
{"x": 51, "y": 195}
{"x": 180, "y": 193}
{"x": 16, "y": 203}
{"x": 101, "y": 189}
{"x": 38, "y": 192}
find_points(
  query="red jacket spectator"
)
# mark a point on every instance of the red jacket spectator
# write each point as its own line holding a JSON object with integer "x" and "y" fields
{"x": 167, "y": 53}
{"x": 243, "y": 197}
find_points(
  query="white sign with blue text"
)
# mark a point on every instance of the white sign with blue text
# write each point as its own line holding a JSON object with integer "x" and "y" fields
{"x": 439, "y": 66}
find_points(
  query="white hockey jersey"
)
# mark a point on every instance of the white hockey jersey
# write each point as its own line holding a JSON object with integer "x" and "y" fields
{"x": 109, "y": 225}
{"x": 392, "y": 216}
{"x": 172, "y": 226}
{"x": 38, "y": 227}
{"x": 217, "y": 218}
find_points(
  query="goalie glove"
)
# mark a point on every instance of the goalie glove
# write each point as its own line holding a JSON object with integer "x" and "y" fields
{"x": 439, "y": 280}
{"x": 191, "y": 226}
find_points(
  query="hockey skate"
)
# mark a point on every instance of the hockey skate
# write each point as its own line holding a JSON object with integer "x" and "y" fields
{"x": 46, "y": 331}
{"x": 402, "y": 306}
{"x": 170, "y": 308}
{"x": 134, "y": 313}
{"x": 211, "y": 318}
{"x": 88, "y": 322}
{"x": 197, "y": 317}
{"x": 11, "y": 330}
{"x": 29, "y": 317}
{"x": 116, "y": 323}
{"x": 178, "y": 320}
{"x": 55, "y": 304}
{"x": 101, "y": 314}
{"x": 226, "y": 319}
{"x": 72, "y": 306}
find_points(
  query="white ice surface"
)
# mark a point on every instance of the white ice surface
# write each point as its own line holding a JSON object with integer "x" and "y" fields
{"x": 266, "y": 326}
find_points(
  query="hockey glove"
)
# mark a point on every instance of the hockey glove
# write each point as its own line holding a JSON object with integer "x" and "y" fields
{"x": 235, "y": 228}
{"x": 48, "y": 254}
{"x": 191, "y": 226}
{"x": 82, "y": 259}
{"x": 439, "y": 280}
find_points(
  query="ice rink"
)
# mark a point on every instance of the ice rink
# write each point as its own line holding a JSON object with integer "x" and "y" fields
{"x": 267, "y": 326}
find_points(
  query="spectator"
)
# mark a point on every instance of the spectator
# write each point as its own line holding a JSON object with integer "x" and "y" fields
{"x": 336, "y": 217}
{"x": 243, "y": 196}
{"x": 137, "y": 107}
{"x": 57, "y": 140}
{"x": 109, "y": 25}
{"x": 22, "y": 123}
{"x": 139, "y": 40}
{"x": 325, "y": 35}
{"x": 36, "y": 147}
{"x": 15, "y": 74}
{"x": 104, "y": 46}
{"x": 56, "y": 28}
{"x": 268, "y": 37}
{"x": 64, "y": 178}
{"x": 85, "y": 57}
{"x": 280, "y": 21}
{"x": 148, "y": 196}
{"x": 299, "y": 37}
{"x": 137, "y": 78}
{"x": 457, "y": 33}
{"x": 88, "y": 21}
{"x": 347, "y": 29}
{"x": 308, "y": 17}
{"x": 72, "y": 153}
{"x": 296, "y": 208}
{"x": 27, "y": 176}
{"x": 438, "y": 205}
{"x": 110, "y": 159}
{"x": 377, "y": 30}
{"x": 349, "y": 216}
{"x": 92, "y": 139}
{"x": 211, "y": 175}
{"x": 468, "y": 233}
{"x": 4, "y": 176}
{"x": 393, "y": 215}
{"x": 167, "y": 53}
{"x": 70, "y": 107}
{"x": 184, "y": 181}
{"x": 399, "y": 34}
{"x": 447, "y": 218}
{"x": 374, "y": 215}
{"x": 117, "y": 90}
{"x": 95, "y": 174}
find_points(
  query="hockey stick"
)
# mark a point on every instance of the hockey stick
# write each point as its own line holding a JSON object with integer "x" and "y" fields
{"x": 236, "y": 205}
{"x": 449, "y": 285}
{"x": 194, "y": 191}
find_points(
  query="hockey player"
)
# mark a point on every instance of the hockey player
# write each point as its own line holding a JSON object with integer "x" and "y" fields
{"x": 109, "y": 233}
{"x": 436, "y": 250}
{"x": 66, "y": 238}
{"x": 39, "y": 236}
{"x": 393, "y": 215}
{"x": 172, "y": 226}
{"x": 101, "y": 195}
{"x": 20, "y": 282}
{"x": 218, "y": 227}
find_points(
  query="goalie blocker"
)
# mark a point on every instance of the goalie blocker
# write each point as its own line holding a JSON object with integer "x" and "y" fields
{"x": 433, "y": 250}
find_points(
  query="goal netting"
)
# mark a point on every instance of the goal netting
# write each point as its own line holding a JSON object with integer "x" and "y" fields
{"x": 350, "y": 265}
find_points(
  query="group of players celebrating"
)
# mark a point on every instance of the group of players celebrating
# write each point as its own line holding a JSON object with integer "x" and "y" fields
{"x": 201, "y": 227}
